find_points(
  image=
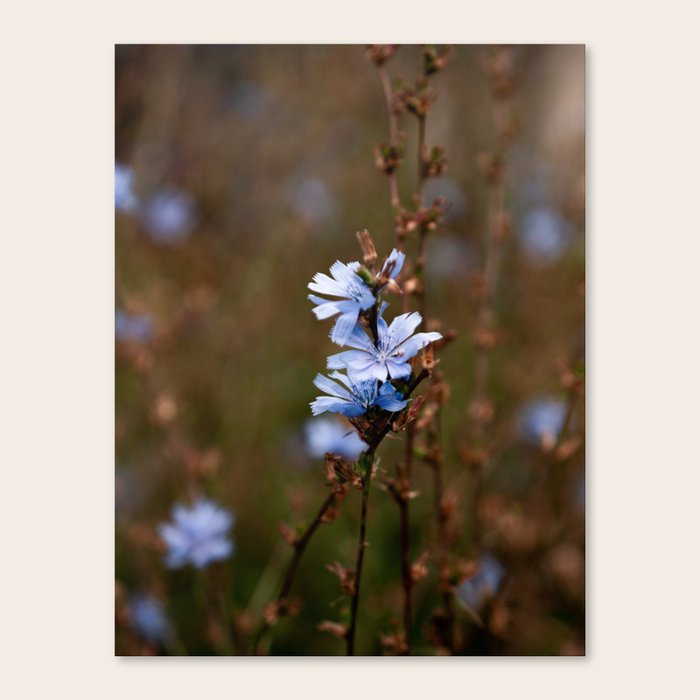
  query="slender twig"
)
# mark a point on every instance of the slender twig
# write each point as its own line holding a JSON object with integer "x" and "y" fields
{"x": 366, "y": 462}
{"x": 299, "y": 545}
{"x": 421, "y": 157}
{"x": 393, "y": 133}
{"x": 434, "y": 434}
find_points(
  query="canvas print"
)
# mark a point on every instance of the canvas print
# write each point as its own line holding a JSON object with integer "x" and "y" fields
{"x": 350, "y": 350}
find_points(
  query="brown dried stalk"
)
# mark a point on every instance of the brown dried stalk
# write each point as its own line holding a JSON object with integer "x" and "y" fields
{"x": 366, "y": 462}
{"x": 418, "y": 101}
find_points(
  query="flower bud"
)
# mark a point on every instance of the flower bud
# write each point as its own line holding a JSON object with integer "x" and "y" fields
{"x": 369, "y": 252}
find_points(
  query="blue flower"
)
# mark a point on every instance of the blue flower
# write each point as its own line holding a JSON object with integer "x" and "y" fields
{"x": 477, "y": 590}
{"x": 197, "y": 535}
{"x": 149, "y": 620}
{"x": 169, "y": 216}
{"x": 328, "y": 435}
{"x": 137, "y": 328}
{"x": 542, "y": 420}
{"x": 393, "y": 264}
{"x": 544, "y": 235}
{"x": 356, "y": 398}
{"x": 355, "y": 297}
{"x": 354, "y": 294}
{"x": 124, "y": 198}
{"x": 395, "y": 347}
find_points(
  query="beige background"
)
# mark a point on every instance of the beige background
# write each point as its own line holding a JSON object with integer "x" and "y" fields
{"x": 56, "y": 631}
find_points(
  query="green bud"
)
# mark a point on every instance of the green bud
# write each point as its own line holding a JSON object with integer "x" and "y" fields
{"x": 366, "y": 275}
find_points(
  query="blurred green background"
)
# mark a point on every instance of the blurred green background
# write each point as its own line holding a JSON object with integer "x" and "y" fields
{"x": 249, "y": 168}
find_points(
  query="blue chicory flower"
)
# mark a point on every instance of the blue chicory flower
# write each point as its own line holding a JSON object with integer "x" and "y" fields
{"x": 544, "y": 235}
{"x": 542, "y": 420}
{"x": 133, "y": 328}
{"x": 197, "y": 535}
{"x": 355, "y": 297}
{"x": 170, "y": 216}
{"x": 393, "y": 264}
{"x": 477, "y": 590}
{"x": 353, "y": 293}
{"x": 356, "y": 398}
{"x": 149, "y": 619}
{"x": 396, "y": 346}
{"x": 329, "y": 435}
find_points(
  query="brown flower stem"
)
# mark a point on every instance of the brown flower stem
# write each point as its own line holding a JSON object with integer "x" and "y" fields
{"x": 366, "y": 461}
{"x": 393, "y": 132}
{"x": 301, "y": 544}
{"x": 404, "y": 474}
{"x": 421, "y": 157}
{"x": 435, "y": 442}
{"x": 406, "y": 575}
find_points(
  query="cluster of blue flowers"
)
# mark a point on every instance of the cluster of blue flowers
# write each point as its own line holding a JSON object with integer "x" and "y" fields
{"x": 372, "y": 363}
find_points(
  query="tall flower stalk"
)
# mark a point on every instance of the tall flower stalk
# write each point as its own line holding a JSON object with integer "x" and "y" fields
{"x": 379, "y": 377}
{"x": 416, "y": 99}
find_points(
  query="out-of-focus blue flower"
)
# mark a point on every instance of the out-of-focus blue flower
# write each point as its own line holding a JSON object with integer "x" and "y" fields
{"x": 395, "y": 347}
{"x": 355, "y": 295}
{"x": 328, "y": 435}
{"x": 149, "y": 620}
{"x": 346, "y": 284}
{"x": 124, "y": 197}
{"x": 197, "y": 535}
{"x": 544, "y": 235}
{"x": 313, "y": 201}
{"x": 169, "y": 216}
{"x": 484, "y": 585}
{"x": 136, "y": 328}
{"x": 541, "y": 421}
{"x": 356, "y": 398}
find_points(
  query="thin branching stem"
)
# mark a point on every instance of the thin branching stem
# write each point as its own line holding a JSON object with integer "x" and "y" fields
{"x": 421, "y": 158}
{"x": 366, "y": 462}
{"x": 300, "y": 546}
{"x": 393, "y": 133}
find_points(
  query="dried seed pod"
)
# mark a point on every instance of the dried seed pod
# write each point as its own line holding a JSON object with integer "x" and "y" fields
{"x": 345, "y": 576}
{"x": 369, "y": 252}
{"x": 419, "y": 570}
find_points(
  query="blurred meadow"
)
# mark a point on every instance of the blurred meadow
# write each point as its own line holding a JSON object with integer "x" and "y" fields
{"x": 241, "y": 171}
